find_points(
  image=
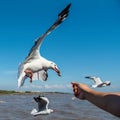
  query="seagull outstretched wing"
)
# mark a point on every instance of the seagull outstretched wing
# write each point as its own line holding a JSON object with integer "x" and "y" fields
{"x": 96, "y": 80}
{"x": 34, "y": 52}
{"x": 40, "y": 75}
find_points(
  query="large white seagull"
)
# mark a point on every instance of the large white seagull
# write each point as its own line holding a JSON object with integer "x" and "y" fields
{"x": 35, "y": 66}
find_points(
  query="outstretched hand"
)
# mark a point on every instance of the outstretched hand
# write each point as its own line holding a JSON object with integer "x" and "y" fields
{"x": 80, "y": 90}
{"x": 108, "y": 101}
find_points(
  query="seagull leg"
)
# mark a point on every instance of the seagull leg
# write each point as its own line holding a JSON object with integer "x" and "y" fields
{"x": 29, "y": 74}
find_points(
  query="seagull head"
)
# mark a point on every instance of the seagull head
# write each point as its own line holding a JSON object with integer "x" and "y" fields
{"x": 107, "y": 83}
{"x": 55, "y": 68}
{"x": 38, "y": 99}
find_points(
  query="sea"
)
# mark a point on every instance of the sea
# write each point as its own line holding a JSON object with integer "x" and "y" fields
{"x": 65, "y": 107}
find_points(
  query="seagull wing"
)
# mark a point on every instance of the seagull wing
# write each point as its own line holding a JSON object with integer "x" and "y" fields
{"x": 42, "y": 105}
{"x": 46, "y": 99}
{"x": 20, "y": 69}
{"x": 21, "y": 75}
{"x": 34, "y": 52}
{"x": 40, "y": 75}
{"x": 97, "y": 80}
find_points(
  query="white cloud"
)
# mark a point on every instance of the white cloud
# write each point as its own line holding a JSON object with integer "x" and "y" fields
{"x": 47, "y": 87}
{"x": 68, "y": 85}
{"x": 36, "y": 86}
{"x": 57, "y": 86}
{"x": 33, "y": 86}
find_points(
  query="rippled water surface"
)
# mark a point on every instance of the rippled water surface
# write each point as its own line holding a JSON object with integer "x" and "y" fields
{"x": 18, "y": 107}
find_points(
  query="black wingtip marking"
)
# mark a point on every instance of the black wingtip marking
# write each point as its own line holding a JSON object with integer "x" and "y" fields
{"x": 64, "y": 12}
{"x": 87, "y": 77}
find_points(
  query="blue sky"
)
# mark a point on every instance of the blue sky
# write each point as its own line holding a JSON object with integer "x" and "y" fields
{"x": 86, "y": 43}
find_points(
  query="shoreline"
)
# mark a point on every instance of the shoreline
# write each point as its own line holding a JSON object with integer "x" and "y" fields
{"x": 4, "y": 92}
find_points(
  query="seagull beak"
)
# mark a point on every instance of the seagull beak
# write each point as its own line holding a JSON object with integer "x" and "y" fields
{"x": 57, "y": 70}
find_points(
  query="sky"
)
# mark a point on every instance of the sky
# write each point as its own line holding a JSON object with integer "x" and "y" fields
{"x": 86, "y": 43}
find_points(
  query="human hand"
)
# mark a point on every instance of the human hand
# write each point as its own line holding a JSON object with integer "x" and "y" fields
{"x": 79, "y": 90}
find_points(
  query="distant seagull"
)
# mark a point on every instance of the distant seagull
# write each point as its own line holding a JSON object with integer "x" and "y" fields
{"x": 98, "y": 82}
{"x": 43, "y": 103}
{"x": 35, "y": 66}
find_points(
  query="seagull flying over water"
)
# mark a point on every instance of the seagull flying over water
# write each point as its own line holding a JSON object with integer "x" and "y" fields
{"x": 35, "y": 66}
{"x": 43, "y": 103}
{"x": 98, "y": 82}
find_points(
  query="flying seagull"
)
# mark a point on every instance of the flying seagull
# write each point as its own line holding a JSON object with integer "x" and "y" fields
{"x": 43, "y": 103}
{"x": 98, "y": 82}
{"x": 35, "y": 66}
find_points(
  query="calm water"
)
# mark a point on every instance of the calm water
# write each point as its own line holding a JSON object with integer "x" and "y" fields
{"x": 18, "y": 107}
